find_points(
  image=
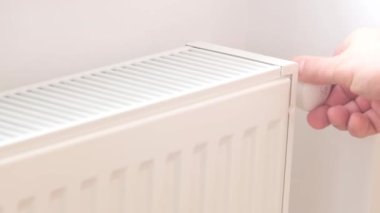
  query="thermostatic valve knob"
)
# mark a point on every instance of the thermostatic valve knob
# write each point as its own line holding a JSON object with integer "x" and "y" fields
{"x": 310, "y": 96}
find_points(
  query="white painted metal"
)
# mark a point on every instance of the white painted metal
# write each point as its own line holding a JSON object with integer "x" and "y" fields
{"x": 198, "y": 129}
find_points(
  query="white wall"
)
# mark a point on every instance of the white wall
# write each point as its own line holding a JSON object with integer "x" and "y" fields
{"x": 332, "y": 172}
{"x": 41, "y": 39}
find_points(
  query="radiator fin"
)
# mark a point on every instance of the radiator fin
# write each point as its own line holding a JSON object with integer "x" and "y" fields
{"x": 26, "y": 206}
{"x": 145, "y": 188}
{"x": 276, "y": 131}
{"x": 223, "y": 172}
{"x": 117, "y": 188}
{"x": 248, "y": 162}
{"x": 172, "y": 183}
{"x": 57, "y": 201}
{"x": 31, "y": 111}
{"x": 198, "y": 178}
{"x": 88, "y": 196}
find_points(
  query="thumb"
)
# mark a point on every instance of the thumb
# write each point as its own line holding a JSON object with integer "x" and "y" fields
{"x": 322, "y": 70}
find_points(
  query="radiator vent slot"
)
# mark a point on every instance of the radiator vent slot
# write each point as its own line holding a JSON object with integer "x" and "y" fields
{"x": 30, "y": 111}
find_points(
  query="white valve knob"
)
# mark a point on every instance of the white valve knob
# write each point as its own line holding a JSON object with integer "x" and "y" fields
{"x": 310, "y": 96}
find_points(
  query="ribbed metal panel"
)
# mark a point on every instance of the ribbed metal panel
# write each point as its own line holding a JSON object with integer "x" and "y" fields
{"x": 120, "y": 87}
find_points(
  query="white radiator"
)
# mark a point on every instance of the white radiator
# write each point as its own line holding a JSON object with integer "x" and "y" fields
{"x": 200, "y": 129}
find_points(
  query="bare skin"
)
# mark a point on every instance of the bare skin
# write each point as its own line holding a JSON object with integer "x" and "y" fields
{"x": 354, "y": 70}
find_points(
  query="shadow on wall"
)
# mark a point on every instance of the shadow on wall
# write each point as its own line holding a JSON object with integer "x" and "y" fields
{"x": 332, "y": 172}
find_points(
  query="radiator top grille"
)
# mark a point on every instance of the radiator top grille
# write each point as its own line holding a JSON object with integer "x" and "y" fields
{"x": 36, "y": 109}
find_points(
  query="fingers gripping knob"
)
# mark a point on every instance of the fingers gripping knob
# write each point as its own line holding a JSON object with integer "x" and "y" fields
{"x": 310, "y": 96}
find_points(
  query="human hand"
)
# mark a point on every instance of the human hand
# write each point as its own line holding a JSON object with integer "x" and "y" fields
{"x": 354, "y": 70}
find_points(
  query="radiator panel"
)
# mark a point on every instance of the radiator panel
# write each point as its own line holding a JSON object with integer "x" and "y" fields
{"x": 225, "y": 154}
